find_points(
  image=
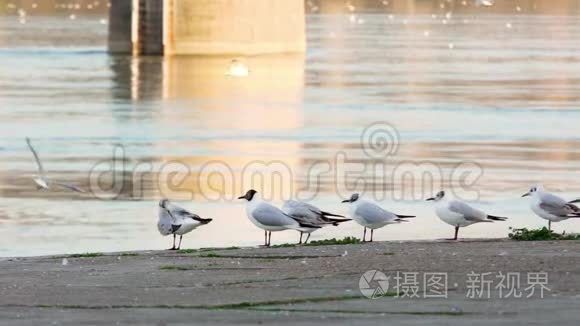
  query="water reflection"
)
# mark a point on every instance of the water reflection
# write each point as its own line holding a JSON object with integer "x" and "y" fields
{"x": 413, "y": 7}
{"x": 136, "y": 78}
{"x": 546, "y": 7}
{"x": 271, "y": 78}
{"x": 269, "y": 98}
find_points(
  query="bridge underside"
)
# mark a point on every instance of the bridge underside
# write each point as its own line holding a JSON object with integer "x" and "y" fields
{"x": 206, "y": 27}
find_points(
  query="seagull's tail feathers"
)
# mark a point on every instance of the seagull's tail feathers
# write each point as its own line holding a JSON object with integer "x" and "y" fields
{"x": 400, "y": 220}
{"x": 574, "y": 201}
{"x": 337, "y": 221}
{"x": 496, "y": 218}
{"x": 334, "y": 221}
{"x": 325, "y": 214}
{"x": 196, "y": 217}
{"x": 205, "y": 220}
{"x": 405, "y": 216}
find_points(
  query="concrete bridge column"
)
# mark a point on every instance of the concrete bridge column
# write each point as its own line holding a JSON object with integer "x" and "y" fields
{"x": 150, "y": 27}
{"x": 206, "y": 27}
{"x": 235, "y": 26}
{"x": 120, "y": 27}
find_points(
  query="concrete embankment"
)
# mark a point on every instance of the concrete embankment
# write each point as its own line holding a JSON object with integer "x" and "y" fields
{"x": 299, "y": 285}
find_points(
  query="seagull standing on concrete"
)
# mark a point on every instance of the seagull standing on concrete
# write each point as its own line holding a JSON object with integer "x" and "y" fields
{"x": 310, "y": 214}
{"x": 42, "y": 181}
{"x": 177, "y": 221}
{"x": 551, "y": 207}
{"x": 270, "y": 218}
{"x": 458, "y": 213}
{"x": 371, "y": 215}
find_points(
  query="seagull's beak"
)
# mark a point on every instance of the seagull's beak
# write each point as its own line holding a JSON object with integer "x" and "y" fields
{"x": 242, "y": 197}
{"x": 428, "y": 199}
{"x": 526, "y": 194}
{"x": 346, "y": 201}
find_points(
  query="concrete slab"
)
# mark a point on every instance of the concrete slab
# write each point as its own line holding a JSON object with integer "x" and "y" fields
{"x": 297, "y": 285}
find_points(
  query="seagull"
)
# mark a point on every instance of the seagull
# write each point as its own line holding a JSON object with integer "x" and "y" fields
{"x": 42, "y": 182}
{"x": 371, "y": 215}
{"x": 307, "y": 213}
{"x": 551, "y": 207}
{"x": 237, "y": 69}
{"x": 459, "y": 214}
{"x": 177, "y": 221}
{"x": 270, "y": 218}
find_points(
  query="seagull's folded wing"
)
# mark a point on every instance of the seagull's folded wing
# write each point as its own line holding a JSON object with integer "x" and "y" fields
{"x": 269, "y": 215}
{"x": 303, "y": 212}
{"x": 555, "y": 205}
{"x": 552, "y": 200}
{"x": 557, "y": 210}
{"x": 373, "y": 213}
{"x": 182, "y": 215}
{"x": 468, "y": 212}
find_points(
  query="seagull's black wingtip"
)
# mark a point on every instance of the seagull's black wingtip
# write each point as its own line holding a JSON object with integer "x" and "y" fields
{"x": 496, "y": 218}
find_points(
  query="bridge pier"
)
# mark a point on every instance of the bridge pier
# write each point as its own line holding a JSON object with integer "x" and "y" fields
{"x": 120, "y": 27}
{"x": 207, "y": 27}
{"x": 149, "y": 24}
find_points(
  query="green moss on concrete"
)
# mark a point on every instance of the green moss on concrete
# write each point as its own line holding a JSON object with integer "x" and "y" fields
{"x": 86, "y": 255}
{"x": 543, "y": 234}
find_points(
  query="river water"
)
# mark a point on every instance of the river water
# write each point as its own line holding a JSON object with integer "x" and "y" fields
{"x": 482, "y": 103}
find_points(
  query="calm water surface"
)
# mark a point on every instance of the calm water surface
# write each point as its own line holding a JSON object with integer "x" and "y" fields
{"x": 500, "y": 91}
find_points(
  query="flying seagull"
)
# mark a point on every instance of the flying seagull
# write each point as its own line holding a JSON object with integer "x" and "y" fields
{"x": 372, "y": 216}
{"x": 42, "y": 181}
{"x": 270, "y": 218}
{"x": 458, "y": 213}
{"x": 177, "y": 221}
{"x": 551, "y": 207}
{"x": 310, "y": 214}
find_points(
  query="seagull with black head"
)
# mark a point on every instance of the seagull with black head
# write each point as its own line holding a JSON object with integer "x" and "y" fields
{"x": 270, "y": 218}
{"x": 370, "y": 215}
{"x": 458, "y": 213}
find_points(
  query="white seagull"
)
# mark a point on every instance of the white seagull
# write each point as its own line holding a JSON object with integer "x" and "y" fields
{"x": 310, "y": 214}
{"x": 551, "y": 207}
{"x": 372, "y": 216}
{"x": 237, "y": 69}
{"x": 270, "y": 218}
{"x": 458, "y": 213}
{"x": 177, "y": 221}
{"x": 42, "y": 180}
